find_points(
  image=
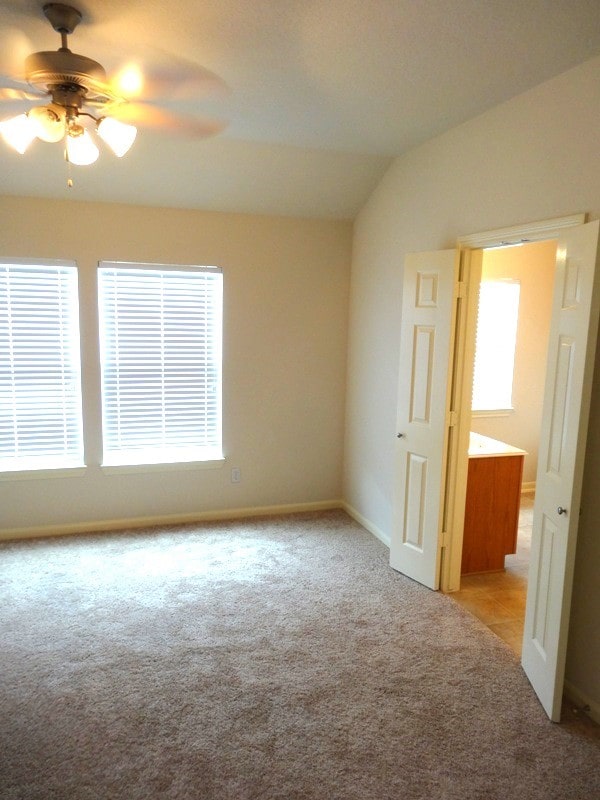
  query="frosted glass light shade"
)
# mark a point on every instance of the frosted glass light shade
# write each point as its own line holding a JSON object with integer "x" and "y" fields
{"x": 48, "y": 122}
{"x": 118, "y": 135}
{"x": 18, "y": 132}
{"x": 81, "y": 150}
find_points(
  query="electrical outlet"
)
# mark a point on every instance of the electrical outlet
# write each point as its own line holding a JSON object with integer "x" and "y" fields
{"x": 236, "y": 475}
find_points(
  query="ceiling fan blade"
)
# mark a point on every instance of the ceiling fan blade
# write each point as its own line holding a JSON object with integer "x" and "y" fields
{"x": 148, "y": 116}
{"x": 12, "y": 108}
{"x": 10, "y": 82}
{"x": 8, "y": 93}
{"x": 14, "y": 49}
{"x": 166, "y": 77}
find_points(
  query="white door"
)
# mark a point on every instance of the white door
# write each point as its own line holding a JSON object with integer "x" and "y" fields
{"x": 425, "y": 355}
{"x": 560, "y": 466}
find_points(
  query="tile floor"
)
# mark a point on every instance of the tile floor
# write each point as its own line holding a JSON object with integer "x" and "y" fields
{"x": 498, "y": 598}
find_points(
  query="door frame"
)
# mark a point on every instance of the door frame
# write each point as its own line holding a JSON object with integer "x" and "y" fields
{"x": 464, "y": 353}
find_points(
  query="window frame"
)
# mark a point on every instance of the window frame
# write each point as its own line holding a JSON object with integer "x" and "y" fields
{"x": 500, "y": 410}
{"x": 72, "y": 409}
{"x": 127, "y": 461}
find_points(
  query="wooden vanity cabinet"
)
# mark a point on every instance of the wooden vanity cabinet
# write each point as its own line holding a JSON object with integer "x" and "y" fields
{"x": 492, "y": 505}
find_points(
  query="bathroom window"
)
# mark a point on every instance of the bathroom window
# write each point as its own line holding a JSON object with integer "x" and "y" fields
{"x": 495, "y": 346}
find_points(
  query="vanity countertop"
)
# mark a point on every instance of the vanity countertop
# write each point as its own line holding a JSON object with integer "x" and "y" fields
{"x": 484, "y": 447}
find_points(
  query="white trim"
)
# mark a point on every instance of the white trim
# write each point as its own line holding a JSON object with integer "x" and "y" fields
{"x": 43, "y": 474}
{"x": 519, "y": 234}
{"x": 457, "y": 462}
{"x": 587, "y": 705}
{"x": 169, "y": 519}
{"x": 496, "y": 412}
{"x": 39, "y": 262}
{"x": 468, "y": 245}
{"x": 369, "y": 526}
{"x": 162, "y": 466}
{"x": 152, "y": 265}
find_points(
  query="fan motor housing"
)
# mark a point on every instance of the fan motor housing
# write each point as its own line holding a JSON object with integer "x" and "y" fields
{"x": 48, "y": 69}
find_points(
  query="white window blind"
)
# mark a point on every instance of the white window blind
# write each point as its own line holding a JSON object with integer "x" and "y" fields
{"x": 160, "y": 340}
{"x": 495, "y": 345}
{"x": 40, "y": 382}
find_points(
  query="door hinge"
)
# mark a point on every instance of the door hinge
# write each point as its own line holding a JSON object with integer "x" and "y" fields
{"x": 460, "y": 289}
{"x": 445, "y": 539}
{"x": 452, "y": 419}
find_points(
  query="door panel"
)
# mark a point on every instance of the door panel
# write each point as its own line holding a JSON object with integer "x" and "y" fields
{"x": 420, "y": 394}
{"x": 425, "y": 354}
{"x": 544, "y": 566}
{"x": 560, "y": 466}
{"x": 563, "y": 381}
{"x": 416, "y": 483}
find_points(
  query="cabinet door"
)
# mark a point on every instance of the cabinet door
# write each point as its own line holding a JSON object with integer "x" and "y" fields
{"x": 491, "y": 512}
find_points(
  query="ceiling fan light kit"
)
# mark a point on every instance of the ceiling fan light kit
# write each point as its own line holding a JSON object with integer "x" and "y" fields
{"x": 18, "y": 132}
{"x": 48, "y": 122}
{"x": 80, "y": 148}
{"x": 117, "y": 135}
{"x": 73, "y": 83}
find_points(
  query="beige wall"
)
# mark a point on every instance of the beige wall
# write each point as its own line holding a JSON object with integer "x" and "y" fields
{"x": 533, "y": 266}
{"x": 285, "y": 326}
{"x": 532, "y": 158}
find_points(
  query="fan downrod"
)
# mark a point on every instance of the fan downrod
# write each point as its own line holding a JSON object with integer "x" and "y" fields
{"x": 64, "y": 19}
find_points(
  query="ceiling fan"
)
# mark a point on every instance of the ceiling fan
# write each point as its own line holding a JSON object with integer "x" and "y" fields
{"x": 65, "y": 95}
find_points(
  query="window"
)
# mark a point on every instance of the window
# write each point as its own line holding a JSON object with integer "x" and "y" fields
{"x": 40, "y": 381}
{"x": 495, "y": 345}
{"x": 160, "y": 342}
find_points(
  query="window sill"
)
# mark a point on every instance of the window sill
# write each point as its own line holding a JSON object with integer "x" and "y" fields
{"x": 42, "y": 474}
{"x": 175, "y": 466}
{"x": 493, "y": 412}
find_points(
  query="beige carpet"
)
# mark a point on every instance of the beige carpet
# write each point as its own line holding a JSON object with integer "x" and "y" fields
{"x": 274, "y": 658}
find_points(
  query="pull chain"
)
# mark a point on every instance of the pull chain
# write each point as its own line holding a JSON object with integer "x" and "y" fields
{"x": 69, "y": 178}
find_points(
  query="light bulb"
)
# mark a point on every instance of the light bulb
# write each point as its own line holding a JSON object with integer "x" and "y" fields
{"x": 18, "y": 132}
{"x": 81, "y": 150}
{"x": 129, "y": 82}
{"x": 118, "y": 135}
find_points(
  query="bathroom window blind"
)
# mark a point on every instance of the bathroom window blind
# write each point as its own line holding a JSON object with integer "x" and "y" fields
{"x": 40, "y": 381}
{"x": 160, "y": 345}
{"x": 495, "y": 346}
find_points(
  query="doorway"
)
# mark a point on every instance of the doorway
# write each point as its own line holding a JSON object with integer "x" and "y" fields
{"x": 434, "y": 420}
{"x": 508, "y": 412}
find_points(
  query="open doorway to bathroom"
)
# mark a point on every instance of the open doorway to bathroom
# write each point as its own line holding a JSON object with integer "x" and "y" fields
{"x": 496, "y": 594}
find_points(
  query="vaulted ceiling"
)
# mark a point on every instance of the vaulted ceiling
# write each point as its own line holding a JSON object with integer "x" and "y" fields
{"x": 322, "y": 93}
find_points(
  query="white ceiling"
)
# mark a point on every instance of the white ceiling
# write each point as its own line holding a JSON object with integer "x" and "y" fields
{"x": 323, "y": 93}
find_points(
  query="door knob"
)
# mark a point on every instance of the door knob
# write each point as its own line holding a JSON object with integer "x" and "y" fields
{"x": 561, "y": 510}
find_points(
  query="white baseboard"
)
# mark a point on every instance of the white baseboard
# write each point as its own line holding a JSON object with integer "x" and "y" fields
{"x": 528, "y": 487}
{"x": 169, "y": 519}
{"x": 580, "y": 699}
{"x": 379, "y": 534}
